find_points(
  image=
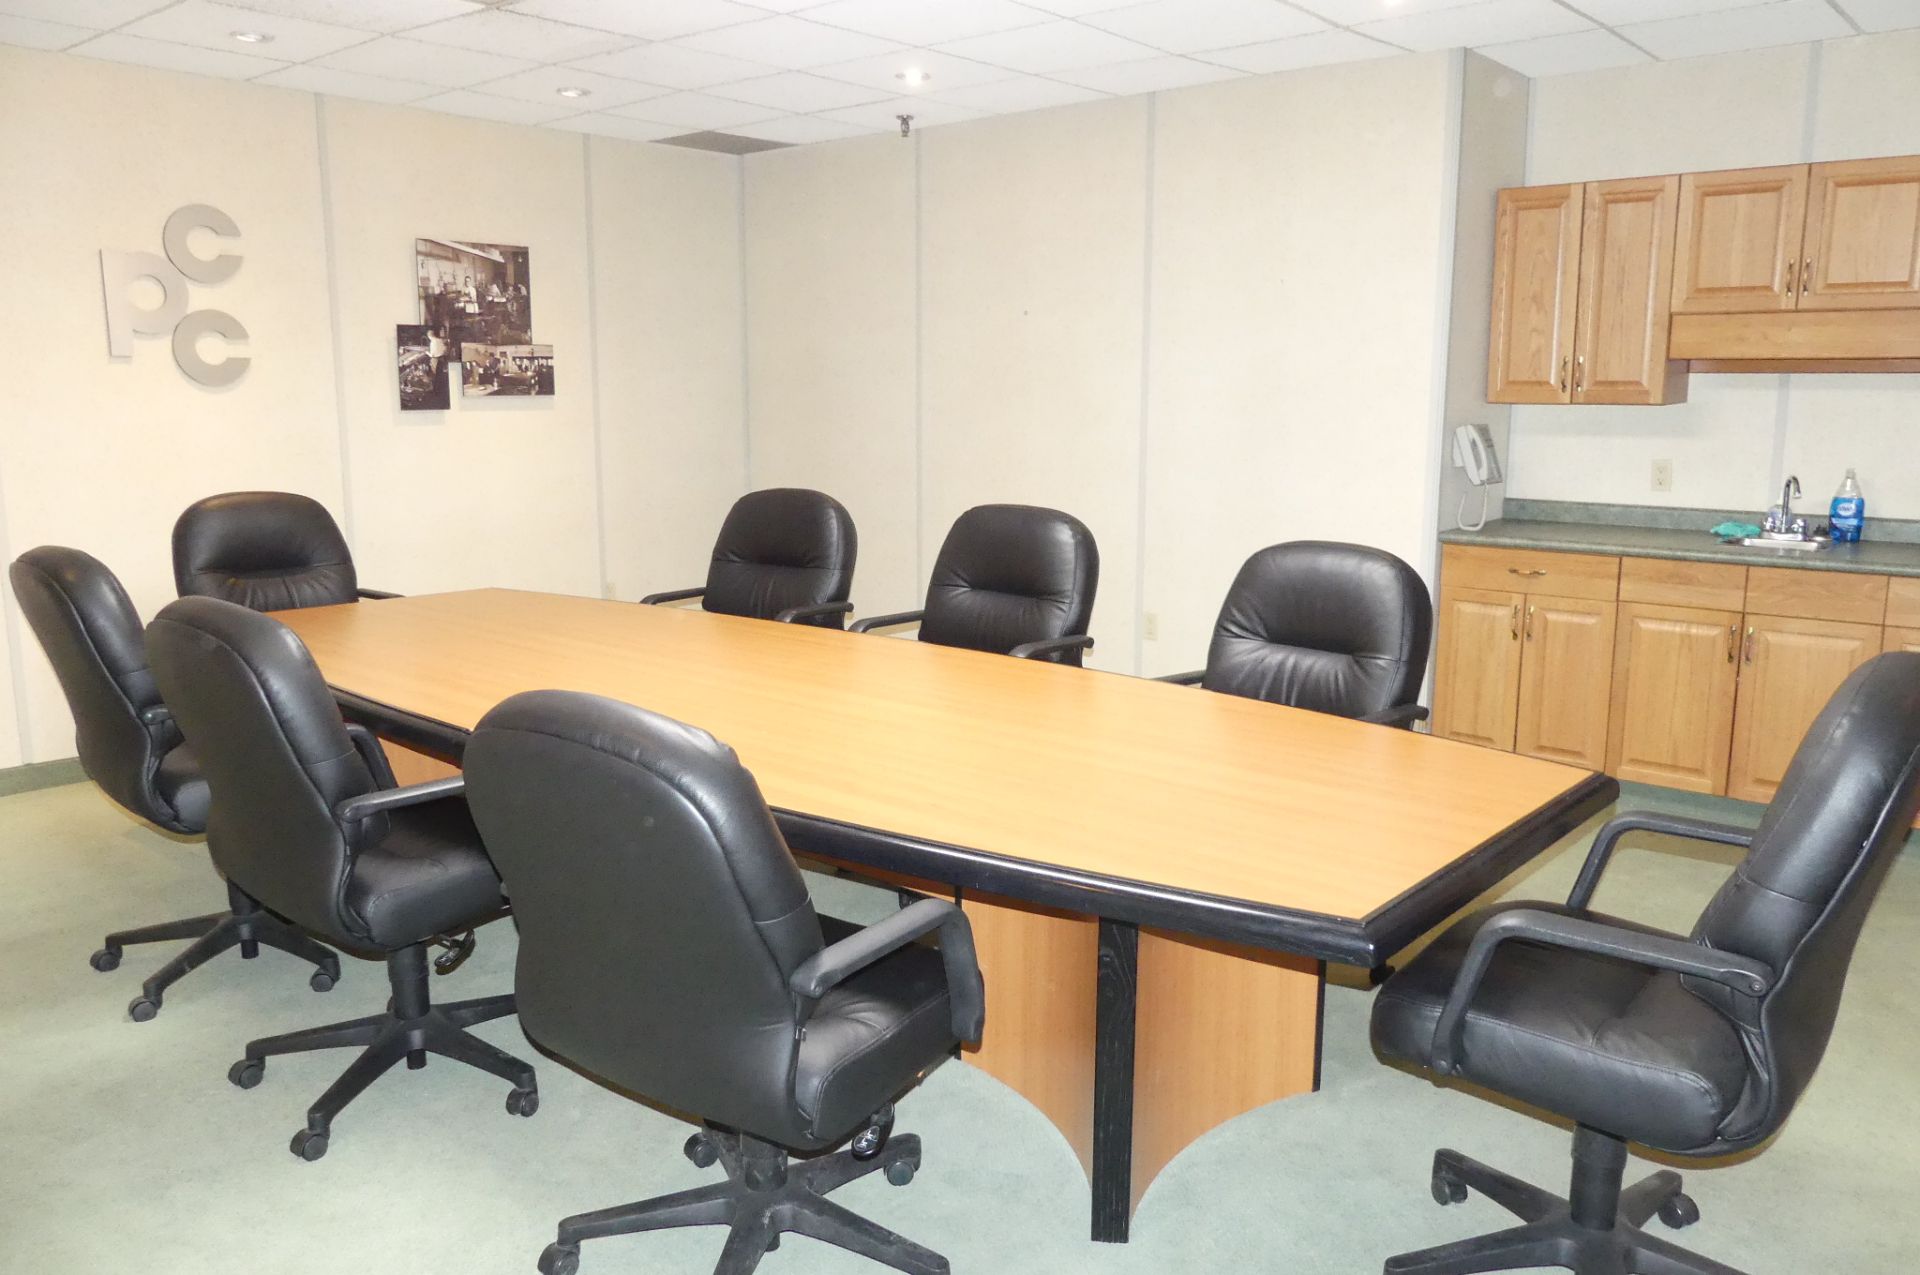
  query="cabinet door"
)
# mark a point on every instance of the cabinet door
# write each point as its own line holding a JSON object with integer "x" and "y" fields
{"x": 1862, "y": 248}
{"x": 1536, "y": 277}
{"x": 1566, "y": 673}
{"x": 1626, "y": 291}
{"x": 1476, "y": 676}
{"x": 1674, "y": 674}
{"x": 1903, "y": 640}
{"x": 1789, "y": 669}
{"x": 1739, "y": 240}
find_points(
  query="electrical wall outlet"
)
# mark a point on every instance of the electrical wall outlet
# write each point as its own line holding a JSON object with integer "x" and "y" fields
{"x": 1663, "y": 475}
{"x": 1150, "y": 626}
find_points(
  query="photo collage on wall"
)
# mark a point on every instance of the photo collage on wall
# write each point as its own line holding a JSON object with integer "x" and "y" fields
{"x": 476, "y": 309}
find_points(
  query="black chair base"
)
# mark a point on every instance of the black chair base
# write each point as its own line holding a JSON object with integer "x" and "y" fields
{"x": 764, "y": 1197}
{"x": 411, "y": 1029}
{"x": 1596, "y": 1232}
{"x": 245, "y": 925}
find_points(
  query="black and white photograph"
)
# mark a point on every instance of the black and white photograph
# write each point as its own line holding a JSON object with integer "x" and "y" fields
{"x": 477, "y": 292}
{"x": 424, "y": 384}
{"x": 490, "y": 370}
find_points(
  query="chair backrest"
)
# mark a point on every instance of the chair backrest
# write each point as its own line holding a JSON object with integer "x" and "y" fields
{"x": 1799, "y": 897}
{"x": 275, "y": 752}
{"x": 268, "y": 550}
{"x": 1010, "y": 574}
{"x": 779, "y": 548}
{"x": 660, "y": 912}
{"x": 91, "y": 634}
{"x": 1336, "y": 628}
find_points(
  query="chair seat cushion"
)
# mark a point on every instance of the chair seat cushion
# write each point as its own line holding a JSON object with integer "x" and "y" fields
{"x": 1611, "y": 1044}
{"x": 427, "y": 876}
{"x": 179, "y": 783}
{"x": 887, "y": 1021}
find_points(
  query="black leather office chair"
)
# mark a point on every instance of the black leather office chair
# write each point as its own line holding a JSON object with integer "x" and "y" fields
{"x": 1697, "y": 1046}
{"x": 306, "y": 819}
{"x": 667, "y": 944}
{"x": 130, "y": 747}
{"x": 268, "y": 550}
{"x": 1335, "y": 628}
{"x": 1013, "y": 579}
{"x": 784, "y": 554}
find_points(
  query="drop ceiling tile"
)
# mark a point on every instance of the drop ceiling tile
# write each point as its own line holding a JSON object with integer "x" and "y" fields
{"x": 497, "y": 31}
{"x": 788, "y": 43}
{"x": 1565, "y": 54}
{"x": 1322, "y": 48}
{"x": 673, "y": 66}
{"x": 542, "y": 85}
{"x": 1763, "y": 26}
{"x": 927, "y": 22}
{"x": 368, "y": 88}
{"x": 1049, "y": 47}
{"x": 944, "y": 71}
{"x": 651, "y": 19}
{"x": 1189, "y": 26}
{"x": 1352, "y": 12}
{"x": 1027, "y": 93}
{"x": 1149, "y": 75}
{"x": 399, "y": 58}
{"x": 1882, "y": 15}
{"x": 368, "y": 15}
{"x": 1617, "y": 12}
{"x": 97, "y": 14}
{"x": 601, "y": 124}
{"x": 31, "y": 33}
{"x": 500, "y": 109}
{"x": 883, "y": 115}
{"x": 212, "y": 26}
{"x": 112, "y": 46}
{"x": 696, "y": 111}
{"x": 1491, "y": 22}
{"x": 798, "y": 130}
{"x": 798, "y": 92}
{"x": 1078, "y": 8}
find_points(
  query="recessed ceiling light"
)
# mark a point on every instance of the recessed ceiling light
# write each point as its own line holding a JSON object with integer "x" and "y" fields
{"x": 573, "y": 90}
{"x": 251, "y": 37}
{"x": 913, "y": 77}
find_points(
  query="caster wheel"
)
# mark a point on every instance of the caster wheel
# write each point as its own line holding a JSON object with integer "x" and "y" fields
{"x": 523, "y": 1102}
{"x": 246, "y": 1073}
{"x": 900, "y": 1172}
{"x": 308, "y": 1145}
{"x": 560, "y": 1259}
{"x": 107, "y": 958}
{"x": 1680, "y": 1211}
{"x": 1448, "y": 1189}
{"x": 143, "y": 1008}
{"x": 701, "y": 1151}
{"x": 321, "y": 981}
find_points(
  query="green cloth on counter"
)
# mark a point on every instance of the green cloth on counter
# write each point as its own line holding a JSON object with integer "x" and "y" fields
{"x": 1736, "y": 530}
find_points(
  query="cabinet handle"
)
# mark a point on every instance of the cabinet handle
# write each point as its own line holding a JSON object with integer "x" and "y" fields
{"x": 1579, "y": 374}
{"x": 1806, "y": 276}
{"x": 1516, "y": 622}
{"x": 1530, "y": 610}
{"x": 1564, "y": 363}
{"x": 1793, "y": 275}
{"x": 1733, "y": 641}
{"x": 1749, "y": 654}
{"x": 1534, "y": 571}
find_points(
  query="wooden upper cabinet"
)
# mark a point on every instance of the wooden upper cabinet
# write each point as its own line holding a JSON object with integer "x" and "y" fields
{"x": 1565, "y": 680}
{"x": 1739, "y": 240}
{"x": 1862, "y": 246}
{"x": 1536, "y": 278}
{"x": 1626, "y": 285}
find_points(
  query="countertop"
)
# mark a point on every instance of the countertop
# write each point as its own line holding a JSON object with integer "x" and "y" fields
{"x": 1624, "y": 532}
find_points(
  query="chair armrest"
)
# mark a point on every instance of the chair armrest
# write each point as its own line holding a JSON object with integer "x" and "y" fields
{"x": 367, "y": 744}
{"x": 1184, "y": 679}
{"x": 793, "y": 615}
{"x": 966, "y": 991}
{"x": 376, "y": 594}
{"x": 1646, "y": 821}
{"x": 1051, "y": 646}
{"x": 672, "y": 595}
{"x": 1579, "y": 934}
{"x": 354, "y": 809}
{"x": 156, "y": 715}
{"x": 1404, "y": 715}
{"x": 873, "y": 622}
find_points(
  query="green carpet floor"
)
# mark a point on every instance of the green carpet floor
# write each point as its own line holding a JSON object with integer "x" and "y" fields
{"x": 127, "y": 1151}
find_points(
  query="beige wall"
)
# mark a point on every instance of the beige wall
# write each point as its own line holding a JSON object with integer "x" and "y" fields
{"x": 1736, "y": 437}
{"x": 329, "y": 195}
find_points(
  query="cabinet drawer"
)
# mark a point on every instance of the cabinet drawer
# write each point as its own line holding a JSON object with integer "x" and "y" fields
{"x": 1565, "y": 575}
{"x": 1663, "y": 582}
{"x": 1817, "y": 595}
{"x": 1903, "y": 603}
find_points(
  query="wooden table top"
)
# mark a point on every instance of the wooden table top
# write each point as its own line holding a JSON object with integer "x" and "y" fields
{"x": 1098, "y": 774}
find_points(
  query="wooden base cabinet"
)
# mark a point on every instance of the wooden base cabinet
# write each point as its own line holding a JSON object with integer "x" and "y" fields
{"x": 1476, "y": 673}
{"x": 1674, "y": 678}
{"x": 1566, "y": 670}
{"x": 1903, "y": 640}
{"x": 1789, "y": 669}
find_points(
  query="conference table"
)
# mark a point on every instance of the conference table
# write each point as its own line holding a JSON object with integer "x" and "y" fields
{"x": 1156, "y": 874}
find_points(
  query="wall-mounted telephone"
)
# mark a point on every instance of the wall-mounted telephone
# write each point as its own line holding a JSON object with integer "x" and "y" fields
{"x": 1473, "y": 452}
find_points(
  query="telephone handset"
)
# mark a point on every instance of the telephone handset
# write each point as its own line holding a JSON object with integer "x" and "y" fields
{"x": 1473, "y": 452}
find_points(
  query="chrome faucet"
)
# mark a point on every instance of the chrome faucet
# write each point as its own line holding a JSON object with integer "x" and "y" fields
{"x": 1780, "y": 520}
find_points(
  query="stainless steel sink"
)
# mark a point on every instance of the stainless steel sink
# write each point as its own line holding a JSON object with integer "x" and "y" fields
{"x": 1782, "y": 542}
